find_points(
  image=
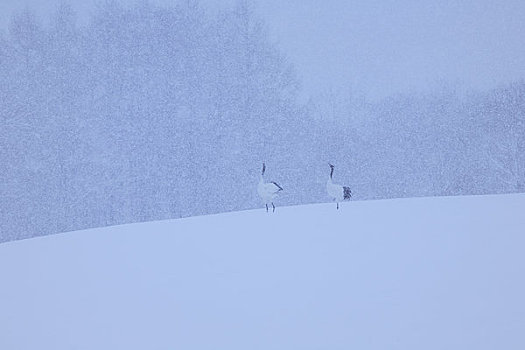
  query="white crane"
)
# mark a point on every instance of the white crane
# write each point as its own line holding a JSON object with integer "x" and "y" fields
{"x": 268, "y": 190}
{"x": 337, "y": 192}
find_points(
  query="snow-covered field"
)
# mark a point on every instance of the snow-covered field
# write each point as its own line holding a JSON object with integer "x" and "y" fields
{"x": 428, "y": 273}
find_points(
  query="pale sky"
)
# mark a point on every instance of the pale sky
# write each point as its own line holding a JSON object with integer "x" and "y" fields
{"x": 381, "y": 47}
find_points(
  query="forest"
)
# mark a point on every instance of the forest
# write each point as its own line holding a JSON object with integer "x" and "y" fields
{"x": 148, "y": 112}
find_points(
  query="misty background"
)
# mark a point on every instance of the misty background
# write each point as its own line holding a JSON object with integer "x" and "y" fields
{"x": 380, "y": 47}
{"x": 115, "y": 112}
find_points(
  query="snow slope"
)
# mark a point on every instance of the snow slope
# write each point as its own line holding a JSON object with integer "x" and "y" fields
{"x": 428, "y": 273}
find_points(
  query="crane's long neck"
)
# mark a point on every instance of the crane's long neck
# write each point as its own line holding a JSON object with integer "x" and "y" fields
{"x": 331, "y": 174}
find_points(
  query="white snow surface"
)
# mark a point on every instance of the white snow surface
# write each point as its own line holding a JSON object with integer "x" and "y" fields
{"x": 426, "y": 273}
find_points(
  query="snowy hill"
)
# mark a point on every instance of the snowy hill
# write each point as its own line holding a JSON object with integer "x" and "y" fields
{"x": 428, "y": 273}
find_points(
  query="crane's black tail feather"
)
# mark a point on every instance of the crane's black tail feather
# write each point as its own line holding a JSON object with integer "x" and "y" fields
{"x": 347, "y": 194}
{"x": 279, "y": 188}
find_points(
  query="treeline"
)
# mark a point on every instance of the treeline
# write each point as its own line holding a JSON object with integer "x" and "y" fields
{"x": 148, "y": 113}
{"x": 443, "y": 143}
{"x": 144, "y": 113}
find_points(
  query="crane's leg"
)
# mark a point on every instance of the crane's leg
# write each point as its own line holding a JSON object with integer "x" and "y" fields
{"x": 338, "y": 205}
{"x": 273, "y": 207}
